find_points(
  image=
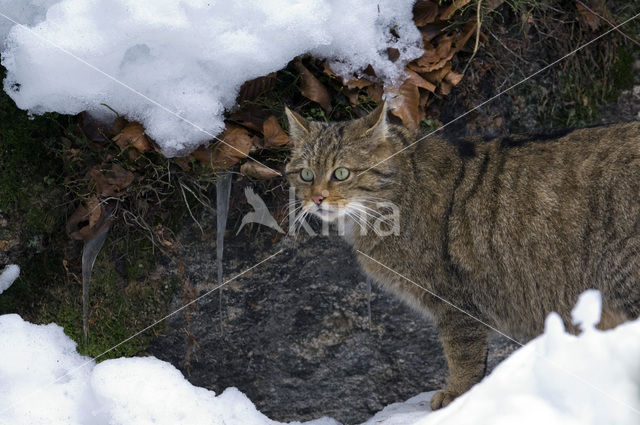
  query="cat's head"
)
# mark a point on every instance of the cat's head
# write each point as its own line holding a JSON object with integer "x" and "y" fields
{"x": 331, "y": 164}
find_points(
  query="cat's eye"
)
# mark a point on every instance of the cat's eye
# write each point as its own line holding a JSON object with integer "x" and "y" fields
{"x": 306, "y": 174}
{"x": 341, "y": 173}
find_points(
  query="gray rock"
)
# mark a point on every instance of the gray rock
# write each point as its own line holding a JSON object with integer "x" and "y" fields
{"x": 296, "y": 335}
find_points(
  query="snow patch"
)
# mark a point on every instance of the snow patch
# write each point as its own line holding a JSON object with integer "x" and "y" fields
{"x": 190, "y": 56}
{"x": 8, "y": 276}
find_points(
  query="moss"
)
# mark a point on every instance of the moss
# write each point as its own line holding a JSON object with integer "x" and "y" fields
{"x": 622, "y": 72}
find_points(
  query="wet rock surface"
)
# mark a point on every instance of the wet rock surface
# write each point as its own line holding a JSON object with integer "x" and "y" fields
{"x": 295, "y": 332}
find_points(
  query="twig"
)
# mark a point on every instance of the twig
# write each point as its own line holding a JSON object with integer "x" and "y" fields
{"x": 189, "y": 208}
{"x": 477, "y": 44}
{"x": 608, "y": 22}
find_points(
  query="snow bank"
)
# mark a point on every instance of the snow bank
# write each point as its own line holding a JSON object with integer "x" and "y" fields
{"x": 559, "y": 378}
{"x": 556, "y": 379}
{"x": 8, "y": 276}
{"x": 43, "y": 380}
{"x": 190, "y": 56}
{"x": 27, "y": 12}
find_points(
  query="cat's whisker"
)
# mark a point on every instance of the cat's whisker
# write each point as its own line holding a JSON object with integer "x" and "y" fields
{"x": 379, "y": 217}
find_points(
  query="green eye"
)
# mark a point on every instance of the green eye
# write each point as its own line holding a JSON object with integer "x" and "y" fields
{"x": 341, "y": 173}
{"x": 306, "y": 174}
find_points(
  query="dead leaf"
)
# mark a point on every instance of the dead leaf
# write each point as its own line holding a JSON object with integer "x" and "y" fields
{"x": 445, "y": 88}
{"x": 424, "y": 99}
{"x": 453, "y": 78}
{"x": 253, "y": 89}
{"x": 352, "y": 95}
{"x": 404, "y": 103}
{"x": 417, "y": 80}
{"x": 274, "y": 135}
{"x": 313, "y": 89}
{"x": 258, "y": 171}
{"x": 110, "y": 182}
{"x": 424, "y": 12}
{"x": 429, "y": 32}
{"x": 80, "y": 225}
{"x": 358, "y": 83}
{"x": 438, "y": 75}
{"x": 449, "y": 11}
{"x": 237, "y": 145}
{"x": 133, "y": 135}
{"x": 375, "y": 93}
{"x": 393, "y": 53}
{"x": 587, "y": 16}
{"x": 95, "y": 210}
{"x": 250, "y": 116}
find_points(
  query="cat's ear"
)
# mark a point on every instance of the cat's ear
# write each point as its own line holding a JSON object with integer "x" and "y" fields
{"x": 377, "y": 123}
{"x": 298, "y": 126}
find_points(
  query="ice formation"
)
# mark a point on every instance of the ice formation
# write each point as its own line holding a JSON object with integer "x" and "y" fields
{"x": 8, "y": 276}
{"x": 157, "y": 61}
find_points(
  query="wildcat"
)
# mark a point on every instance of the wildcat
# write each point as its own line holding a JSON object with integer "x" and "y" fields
{"x": 506, "y": 231}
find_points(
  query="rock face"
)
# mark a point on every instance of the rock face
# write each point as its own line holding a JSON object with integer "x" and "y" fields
{"x": 296, "y": 336}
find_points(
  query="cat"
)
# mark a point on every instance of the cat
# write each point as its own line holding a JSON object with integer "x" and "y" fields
{"x": 505, "y": 231}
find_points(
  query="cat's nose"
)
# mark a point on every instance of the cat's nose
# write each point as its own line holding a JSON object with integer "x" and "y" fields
{"x": 317, "y": 199}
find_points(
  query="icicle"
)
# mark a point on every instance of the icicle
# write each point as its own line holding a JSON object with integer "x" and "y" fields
{"x": 369, "y": 300}
{"x": 90, "y": 252}
{"x": 223, "y": 192}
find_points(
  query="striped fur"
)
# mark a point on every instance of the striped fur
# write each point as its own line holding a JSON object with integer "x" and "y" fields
{"x": 508, "y": 230}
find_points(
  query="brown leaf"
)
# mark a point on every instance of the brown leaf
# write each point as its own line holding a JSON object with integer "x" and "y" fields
{"x": 417, "y": 80}
{"x": 253, "y": 89}
{"x": 375, "y": 93}
{"x": 445, "y": 88}
{"x": 453, "y": 78}
{"x": 85, "y": 224}
{"x": 429, "y": 32}
{"x": 587, "y": 16}
{"x": 250, "y": 116}
{"x": 313, "y": 89}
{"x": 393, "y": 53}
{"x": 449, "y": 11}
{"x": 274, "y": 135}
{"x": 424, "y": 99}
{"x": 424, "y": 12}
{"x": 96, "y": 210}
{"x": 352, "y": 95}
{"x": 237, "y": 145}
{"x": 404, "y": 103}
{"x": 258, "y": 171}
{"x": 78, "y": 224}
{"x": 358, "y": 83}
{"x": 133, "y": 135}
{"x": 438, "y": 75}
{"x": 110, "y": 182}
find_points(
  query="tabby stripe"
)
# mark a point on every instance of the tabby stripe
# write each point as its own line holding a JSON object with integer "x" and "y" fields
{"x": 446, "y": 249}
{"x": 495, "y": 191}
{"x": 366, "y": 189}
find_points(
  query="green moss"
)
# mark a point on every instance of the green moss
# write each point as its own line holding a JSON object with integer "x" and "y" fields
{"x": 30, "y": 173}
{"x": 622, "y": 71}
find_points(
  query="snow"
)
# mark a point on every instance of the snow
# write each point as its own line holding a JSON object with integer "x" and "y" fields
{"x": 44, "y": 380}
{"x": 556, "y": 379}
{"x": 8, "y": 276}
{"x": 177, "y": 65}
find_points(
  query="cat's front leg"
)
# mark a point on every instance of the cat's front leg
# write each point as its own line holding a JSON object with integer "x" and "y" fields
{"x": 465, "y": 342}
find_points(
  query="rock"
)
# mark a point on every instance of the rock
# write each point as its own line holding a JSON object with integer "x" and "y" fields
{"x": 296, "y": 335}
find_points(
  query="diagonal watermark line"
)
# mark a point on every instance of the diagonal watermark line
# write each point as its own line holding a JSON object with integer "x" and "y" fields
{"x": 491, "y": 99}
{"x": 67, "y": 373}
{"x": 549, "y": 361}
{"x": 133, "y": 90}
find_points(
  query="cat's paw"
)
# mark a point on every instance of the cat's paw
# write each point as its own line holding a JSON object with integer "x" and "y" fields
{"x": 442, "y": 399}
